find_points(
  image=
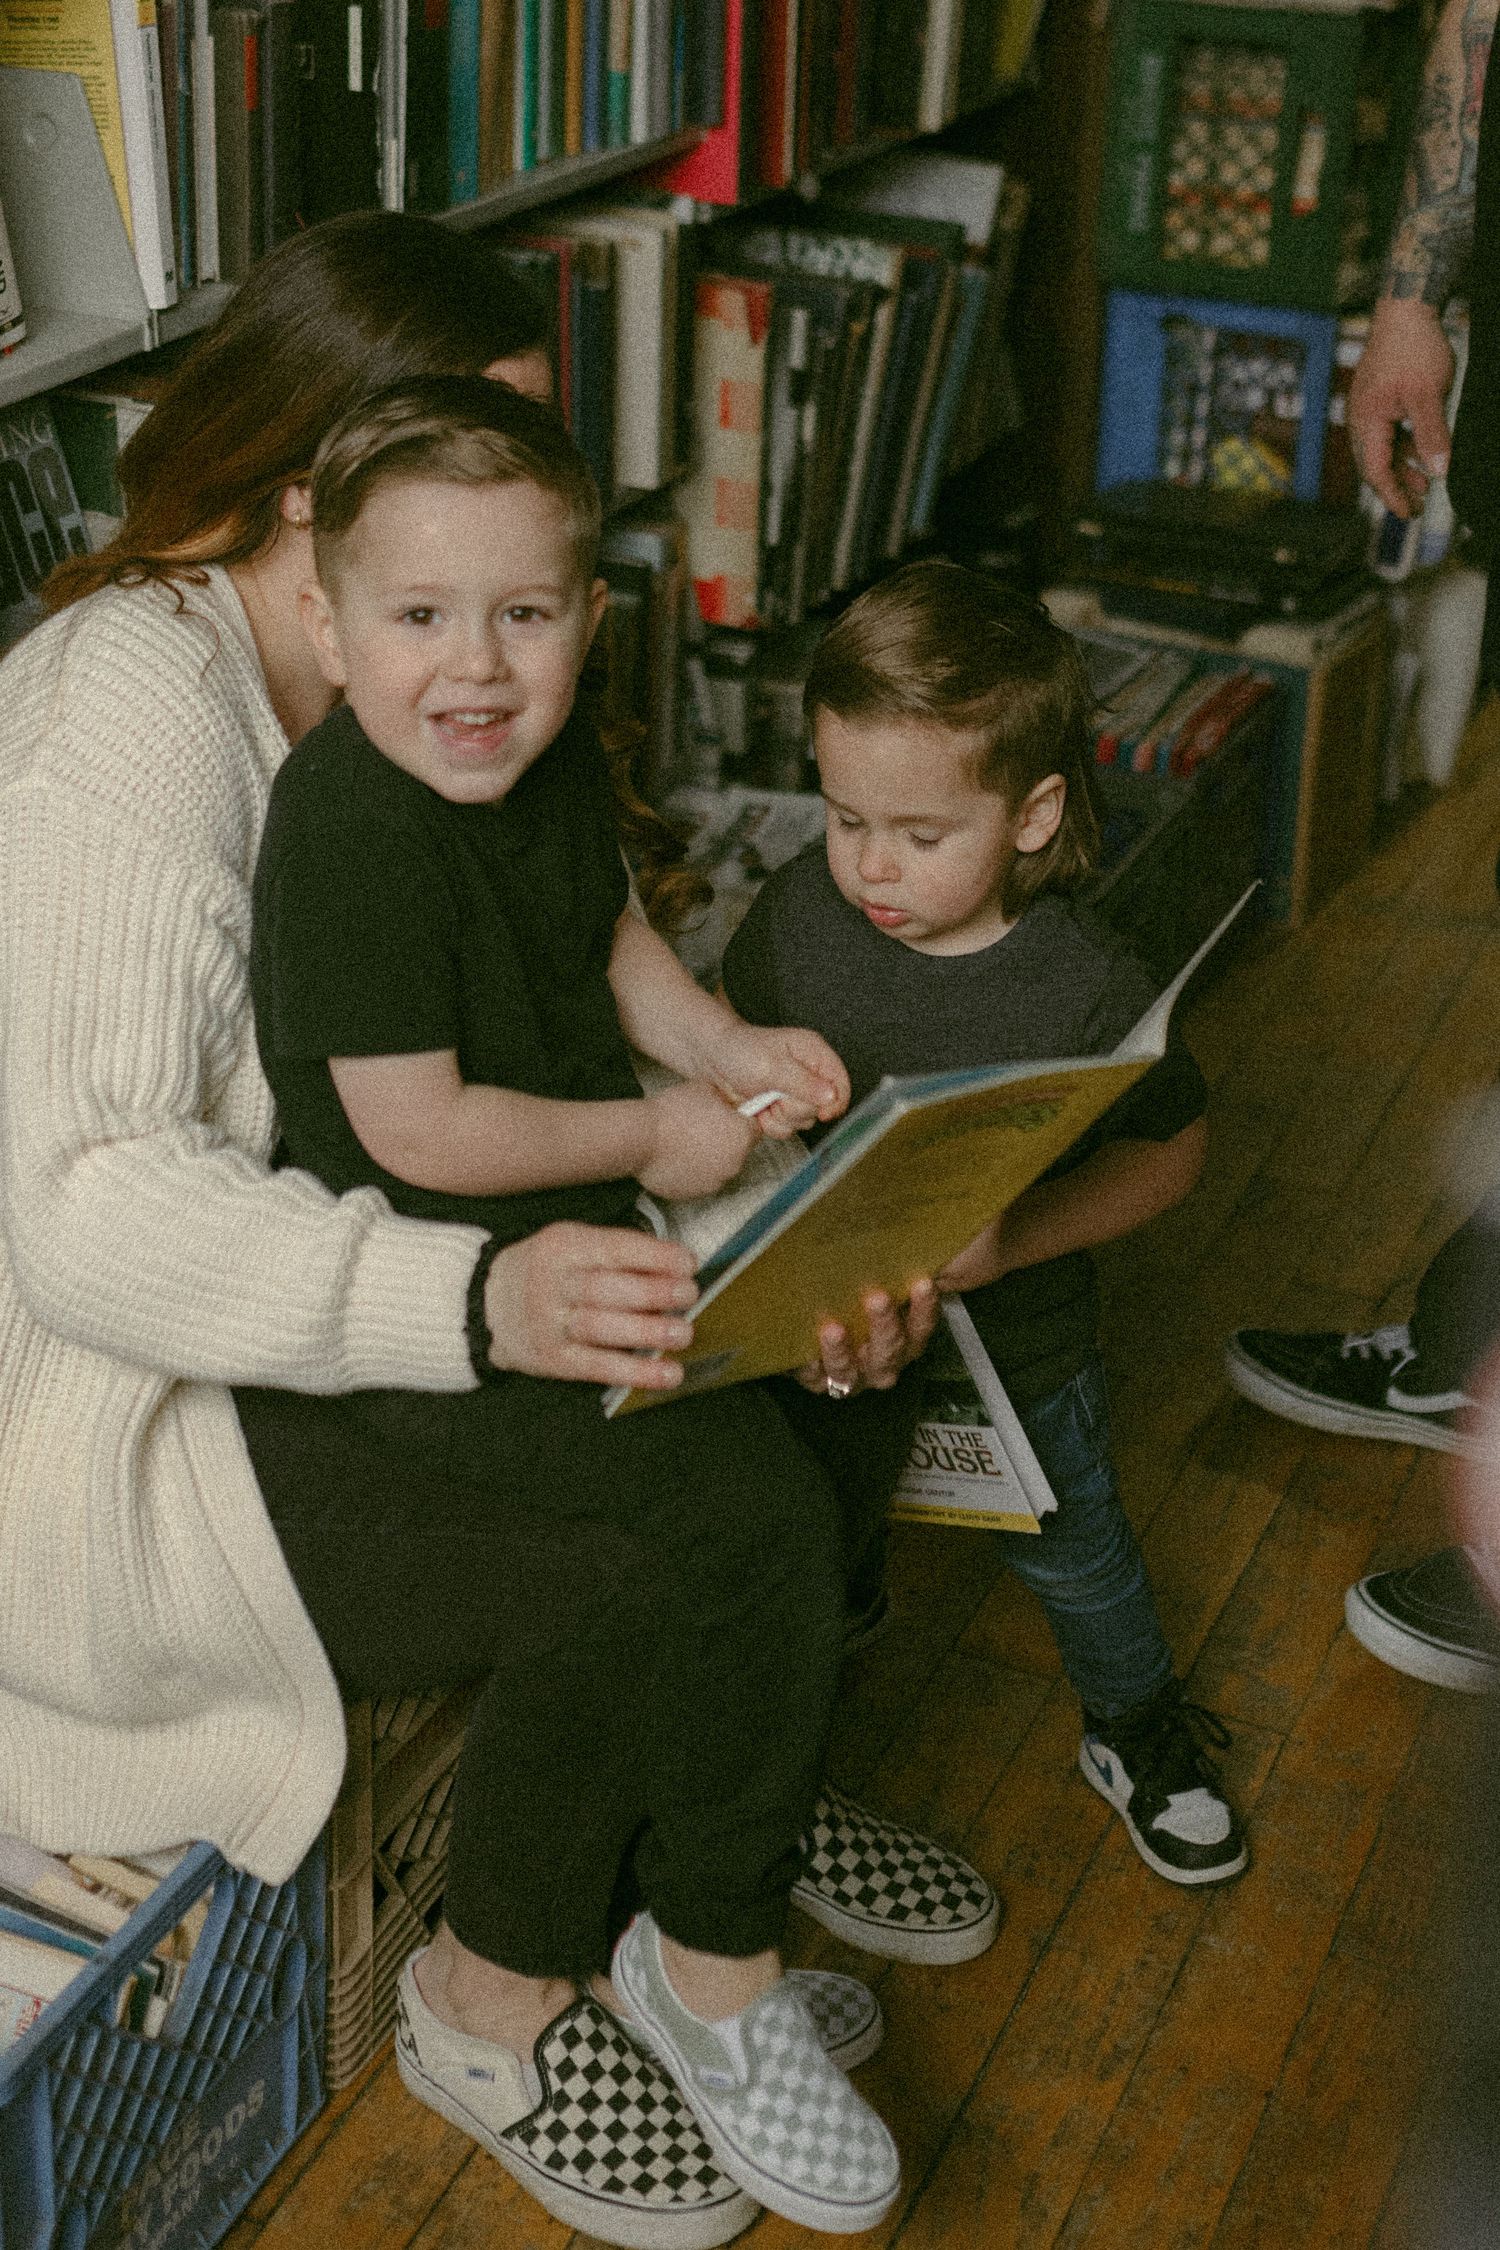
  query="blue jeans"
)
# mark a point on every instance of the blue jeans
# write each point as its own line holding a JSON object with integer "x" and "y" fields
{"x": 1086, "y": 1567}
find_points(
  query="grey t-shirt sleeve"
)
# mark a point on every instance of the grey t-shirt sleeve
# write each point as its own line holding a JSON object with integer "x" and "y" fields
{"x": 751, "y": 984}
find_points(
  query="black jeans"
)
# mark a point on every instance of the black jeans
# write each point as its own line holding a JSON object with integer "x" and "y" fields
{"x": 654, "y": 1606}
{"x": 1456, "y": 1318}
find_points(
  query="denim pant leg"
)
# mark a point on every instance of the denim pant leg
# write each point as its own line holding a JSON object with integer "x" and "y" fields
{"x": 1085, "y": 1566}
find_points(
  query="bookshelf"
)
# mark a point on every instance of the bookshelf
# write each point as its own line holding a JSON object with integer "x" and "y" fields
{"x": 797, "y": 122}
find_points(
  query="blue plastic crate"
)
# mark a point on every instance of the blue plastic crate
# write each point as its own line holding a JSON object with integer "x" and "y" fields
{"x": 1191, "y": 361}
{"x": 120, "y": 2142}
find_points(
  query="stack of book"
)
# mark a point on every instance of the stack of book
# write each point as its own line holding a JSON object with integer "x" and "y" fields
{"x": 617, "y": 280}
{"x": 845, "y": 360}
{"x": 57, "y": 1914}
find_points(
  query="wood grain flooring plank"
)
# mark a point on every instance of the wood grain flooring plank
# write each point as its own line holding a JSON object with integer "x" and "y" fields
{"x": 1323, "y": 2156}
{"x": 1024, "y": 2140}
{"x": 375, "y": 2179}
{"x": 483, "y": 2208}
{"x": 1186, "y": 2121}
{"x": 299, "y": 2157}
{"x": 1270, "y": 1640}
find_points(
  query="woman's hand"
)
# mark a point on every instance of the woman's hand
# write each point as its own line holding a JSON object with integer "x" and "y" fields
{"x": 749, "y": 1059}
{"x": 697, "y": 1141}
{"x": 896, "y": 1335}
{"x": 584, "y": 1303}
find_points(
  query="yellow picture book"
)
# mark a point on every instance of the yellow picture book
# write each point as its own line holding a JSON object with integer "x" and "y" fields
{"x": 907, "y": 1179}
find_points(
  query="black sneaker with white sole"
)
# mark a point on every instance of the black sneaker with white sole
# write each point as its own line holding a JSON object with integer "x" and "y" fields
{"x": 1429, "y": 1620}
{"x": 1150, "y": 1765}
{"x": 1355, "y": 1385}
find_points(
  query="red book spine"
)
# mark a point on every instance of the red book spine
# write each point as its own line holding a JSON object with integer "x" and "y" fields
{"x": 1238, "y": 700}
{"x": 710, "y": 173}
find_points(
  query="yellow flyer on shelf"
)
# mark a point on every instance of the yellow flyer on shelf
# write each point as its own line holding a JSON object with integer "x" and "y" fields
{"x": 894, "y": 1191}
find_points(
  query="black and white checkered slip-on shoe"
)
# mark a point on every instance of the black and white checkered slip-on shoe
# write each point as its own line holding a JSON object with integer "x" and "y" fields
{"x": 778, "y": 2115}
{"x": 1355, "y": 1385}
{"x": 1149, "y": 1764}
{"x": 595, "y": 2130}
{"x": 887, "y": 1890}
{"x": 1429, "y": 1620}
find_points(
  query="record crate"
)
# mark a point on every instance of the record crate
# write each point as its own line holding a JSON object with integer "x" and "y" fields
{"x": 387, "y": 1862}
{"x": 1178, "y": 851}
{"x": 114, "y": 2140}
{"x": 1255, "y": 153}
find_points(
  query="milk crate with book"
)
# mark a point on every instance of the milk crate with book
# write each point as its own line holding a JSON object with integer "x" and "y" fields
{"x": 118, "y": 2139}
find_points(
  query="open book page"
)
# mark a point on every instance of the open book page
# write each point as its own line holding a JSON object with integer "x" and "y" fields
{"x": 706, "y": 1222}
{"x": 971, "y": 1463}
{"x": 892, "y": 1193}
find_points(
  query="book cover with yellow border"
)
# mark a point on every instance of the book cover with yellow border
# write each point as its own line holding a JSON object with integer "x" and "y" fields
{"x": 892, "y": 1193}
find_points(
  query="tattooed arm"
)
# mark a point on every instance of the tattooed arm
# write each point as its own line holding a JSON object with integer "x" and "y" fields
{"x": 1407, "y": 366}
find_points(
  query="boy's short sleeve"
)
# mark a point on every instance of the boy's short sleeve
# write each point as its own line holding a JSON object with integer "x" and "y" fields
{"x": 1170, "y": 1097}
{"x": 357, "y": 945}
{"x": 751, "y": 984}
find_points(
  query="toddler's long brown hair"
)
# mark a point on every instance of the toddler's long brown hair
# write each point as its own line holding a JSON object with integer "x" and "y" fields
{"x": 944, "y": 645}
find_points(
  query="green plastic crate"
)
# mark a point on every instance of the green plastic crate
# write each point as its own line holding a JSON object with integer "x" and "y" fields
{"x": 1255, "y": 153}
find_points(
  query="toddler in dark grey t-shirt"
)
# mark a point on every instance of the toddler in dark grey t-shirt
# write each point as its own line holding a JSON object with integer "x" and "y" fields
{"x": 931, "y": 931}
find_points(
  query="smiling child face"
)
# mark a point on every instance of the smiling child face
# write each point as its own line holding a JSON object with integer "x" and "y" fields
{"x": 457, "y": 622}
{"x": 915, "y": 840}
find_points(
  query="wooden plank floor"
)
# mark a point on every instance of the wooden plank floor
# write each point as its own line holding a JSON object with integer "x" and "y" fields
{"x": 1132, "y": 2066}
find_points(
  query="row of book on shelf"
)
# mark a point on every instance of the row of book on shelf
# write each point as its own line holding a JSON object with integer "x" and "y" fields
{"x": 848, "y": 356}
{"x": 57, "y": 1914}
{"x": 806, "y": 82}
{"x": 226, "y": 124}
{"x": 1166, "y": 710}
{"x": 802, "y": 386}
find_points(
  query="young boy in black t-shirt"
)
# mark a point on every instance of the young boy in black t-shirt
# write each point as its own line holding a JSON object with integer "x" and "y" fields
{"x": 446, "y": 972}
{"x": 932, "y": 930}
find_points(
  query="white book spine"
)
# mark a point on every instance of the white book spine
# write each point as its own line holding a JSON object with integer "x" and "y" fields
{"x": 641, "y": 19}
{"x": 205, "y": 147}
{"x": 144, "y": 121}
{"x": 939, "y": 64}
{"x": 12, "y": 318}
{"x": 393, "y": 104}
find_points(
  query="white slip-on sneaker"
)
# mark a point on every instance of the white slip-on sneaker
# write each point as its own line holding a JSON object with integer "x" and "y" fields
{"x": 781, "y": 2118}
{"x": 595, "y": 2130}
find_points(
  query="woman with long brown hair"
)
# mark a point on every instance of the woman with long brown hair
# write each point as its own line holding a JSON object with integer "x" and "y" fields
{"x": 159, "y": 1677}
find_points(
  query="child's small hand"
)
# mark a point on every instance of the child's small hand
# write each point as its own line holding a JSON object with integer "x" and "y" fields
{"x": 801, "y": 1065}
{"x": 698, "y": 1141}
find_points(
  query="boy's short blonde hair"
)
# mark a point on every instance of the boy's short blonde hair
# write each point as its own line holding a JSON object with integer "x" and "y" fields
{"x": 448, "y": 429}
{"x": 944, "y": 645}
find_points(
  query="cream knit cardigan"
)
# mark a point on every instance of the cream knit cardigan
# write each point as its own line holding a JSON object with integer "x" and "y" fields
{"x": 159, "y": 1679}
